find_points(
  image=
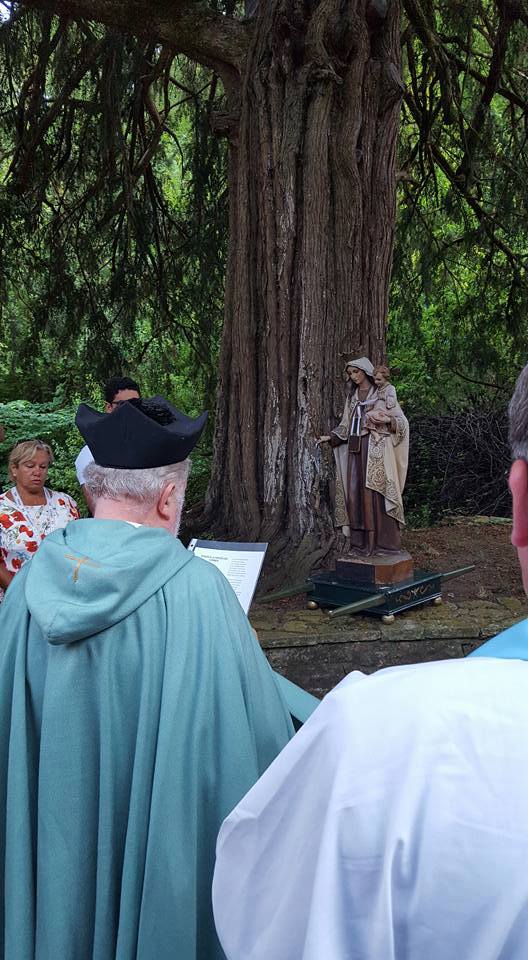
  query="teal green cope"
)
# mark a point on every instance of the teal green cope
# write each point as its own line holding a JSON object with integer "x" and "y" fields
{"x": 136, "y": 709}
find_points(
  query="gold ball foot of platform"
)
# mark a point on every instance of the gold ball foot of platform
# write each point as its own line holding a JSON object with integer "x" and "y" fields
{"x": 437, "y": 601}
{"x": 388, "y": 618}
{"x": 312, "y": 605}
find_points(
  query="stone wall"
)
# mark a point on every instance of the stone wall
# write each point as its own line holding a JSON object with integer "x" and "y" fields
{"x": 317, "y": 652}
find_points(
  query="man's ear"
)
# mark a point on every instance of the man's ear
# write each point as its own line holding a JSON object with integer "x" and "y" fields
{"x": 518, "y": 482}
{"x": 165, "y": 501}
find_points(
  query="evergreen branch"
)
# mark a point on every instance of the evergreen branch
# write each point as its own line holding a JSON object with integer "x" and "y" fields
{"x": 480, "y": 383}
{"x": 481, "y": 78}
{"x": 462, "y": 187}
{"x": 428, "y": 34}
{"x": 51, "y": 115}
{"x": 491, "y": 85}
{"x": 199, "y": 32}
{"x": 518, "y": 10}
{"x": 515, "y": 259}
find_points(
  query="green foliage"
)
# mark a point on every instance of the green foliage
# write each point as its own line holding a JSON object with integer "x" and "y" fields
{"x": 52, "y": 423}
{"x": 419, "y": 517}
{"x": 113, "y": 218}
{"x": 459, "y": 295}
{"x": 55, "y": 425}
{"x": 112, "y": 210}
{"x": 199, "y": 475}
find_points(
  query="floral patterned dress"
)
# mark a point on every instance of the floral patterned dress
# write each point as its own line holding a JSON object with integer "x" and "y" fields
{"x": 22, "y": 528}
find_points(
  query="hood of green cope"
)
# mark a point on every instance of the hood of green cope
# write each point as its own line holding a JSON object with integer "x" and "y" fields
{"x": 92, "y": 574}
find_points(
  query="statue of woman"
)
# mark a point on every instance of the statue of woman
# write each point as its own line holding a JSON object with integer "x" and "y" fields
{"x": 371, "y": 448}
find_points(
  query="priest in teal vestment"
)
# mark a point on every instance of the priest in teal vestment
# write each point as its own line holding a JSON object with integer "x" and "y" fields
{"x": 136, "y": 709}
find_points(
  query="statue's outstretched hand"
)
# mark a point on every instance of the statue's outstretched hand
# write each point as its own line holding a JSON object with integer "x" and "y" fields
{"x": 323, "y": 439}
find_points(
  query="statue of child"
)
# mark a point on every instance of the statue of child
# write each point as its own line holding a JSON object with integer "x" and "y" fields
{"x": 385, "y": 402}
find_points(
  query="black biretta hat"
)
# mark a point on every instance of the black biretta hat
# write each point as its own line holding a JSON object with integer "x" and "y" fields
{"x": 139, "y": 434}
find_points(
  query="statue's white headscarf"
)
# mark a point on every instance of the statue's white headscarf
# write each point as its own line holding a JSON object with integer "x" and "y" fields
{"x": 363, "y": 363}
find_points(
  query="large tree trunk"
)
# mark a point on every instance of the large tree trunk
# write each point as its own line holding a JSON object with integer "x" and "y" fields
{"x": 312, "y": 208}
{"x": 312, "y": 196}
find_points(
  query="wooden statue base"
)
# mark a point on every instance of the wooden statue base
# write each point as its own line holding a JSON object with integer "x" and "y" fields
{"x": 376, "y": 570}
{"x": 343, "y": 593}
{"x": 327, "y": 589}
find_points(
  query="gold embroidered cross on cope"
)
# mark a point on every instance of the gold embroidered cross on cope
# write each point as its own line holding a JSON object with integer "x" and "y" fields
{"x": 79, "y": 562}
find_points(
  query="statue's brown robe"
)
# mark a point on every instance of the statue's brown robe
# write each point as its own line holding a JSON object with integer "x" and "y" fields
{"x": 370, "y": 477}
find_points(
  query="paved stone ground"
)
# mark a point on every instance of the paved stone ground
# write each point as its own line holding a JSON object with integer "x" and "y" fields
{"x": 316, "y": 652}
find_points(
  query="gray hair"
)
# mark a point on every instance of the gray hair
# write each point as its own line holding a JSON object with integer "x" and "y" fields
{"x": 141, "y": 487}
{"x": 518, "y": 415}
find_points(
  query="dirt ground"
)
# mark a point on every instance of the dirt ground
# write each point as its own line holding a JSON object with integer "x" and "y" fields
{"x": 316, "y": 651}
{"x": 482, "y": 541}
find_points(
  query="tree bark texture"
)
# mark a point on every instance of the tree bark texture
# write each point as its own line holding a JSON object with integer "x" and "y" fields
{"x": 315, "y": 91}
{"x": 312, "y": 210}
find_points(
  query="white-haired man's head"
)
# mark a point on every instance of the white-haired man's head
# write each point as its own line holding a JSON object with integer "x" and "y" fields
{"x": 153, "y": 496}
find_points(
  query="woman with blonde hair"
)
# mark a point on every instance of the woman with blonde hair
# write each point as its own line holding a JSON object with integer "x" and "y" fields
{"x": 29, "y": 510}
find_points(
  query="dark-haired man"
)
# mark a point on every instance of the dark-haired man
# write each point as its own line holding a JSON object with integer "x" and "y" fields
{"x": 136, "y": 708}
{"x": 116, "y": 391}
{"x": 394, "y": 826}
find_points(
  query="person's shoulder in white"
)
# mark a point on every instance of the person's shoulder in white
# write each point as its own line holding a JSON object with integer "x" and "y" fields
{"x": 382, "y": 831}
{"x": 83, "y": 459}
